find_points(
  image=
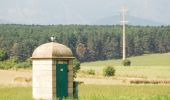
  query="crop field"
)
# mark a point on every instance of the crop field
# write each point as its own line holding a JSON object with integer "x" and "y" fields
{"x": 154, "y": 66}
{"x": 98, "y": 92}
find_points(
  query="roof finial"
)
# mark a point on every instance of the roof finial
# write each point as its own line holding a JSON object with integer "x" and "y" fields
{"x": 52, "y": 38}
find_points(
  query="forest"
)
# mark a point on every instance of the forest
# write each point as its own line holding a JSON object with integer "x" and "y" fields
{"x": 87, "y": 42}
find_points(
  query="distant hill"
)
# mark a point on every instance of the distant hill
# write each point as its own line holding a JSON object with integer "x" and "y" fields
{"x": 132, "y": 20}
{"x": 4, "y": 21}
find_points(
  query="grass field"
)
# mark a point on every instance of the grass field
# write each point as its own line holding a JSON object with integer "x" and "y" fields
{"x": 125, "y": 92}
{"x": 15, "y": 93}
{"x": 144, "y": 60}
{"x": 155, "y": 66}
{"x": 151, "y": 66}
{"x": 98, "y": 92}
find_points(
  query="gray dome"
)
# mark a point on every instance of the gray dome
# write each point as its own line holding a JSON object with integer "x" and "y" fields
{"x": 52, "y": 50}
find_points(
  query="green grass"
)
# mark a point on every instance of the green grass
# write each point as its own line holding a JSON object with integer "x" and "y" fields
{"x": 150, "y": 72}
{"x": 124, "y": 92}
{"x": 144, "y": 60}
{"x": 147, "y": 66}
{"x": 15, "y": 93}
{"x": 98, "y": 92}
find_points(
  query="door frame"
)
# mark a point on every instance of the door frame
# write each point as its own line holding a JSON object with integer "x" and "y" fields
{"x": 61, "y": 80}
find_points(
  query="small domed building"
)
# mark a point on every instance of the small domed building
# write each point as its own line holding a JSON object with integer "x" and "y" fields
{"x": 52, "y": 71}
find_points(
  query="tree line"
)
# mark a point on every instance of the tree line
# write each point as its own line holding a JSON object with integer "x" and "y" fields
{"x": 88, "y": 42}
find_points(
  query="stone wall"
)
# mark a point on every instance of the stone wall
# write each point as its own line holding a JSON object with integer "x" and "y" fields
{"x": 42, "y": 79}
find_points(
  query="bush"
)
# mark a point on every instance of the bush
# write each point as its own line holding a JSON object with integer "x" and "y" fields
{"x": 91, "y": 72}
{"x": 26, "y": 64}
{"x": 76, "y": 67}
{"x": 14, "y": 63}
{"x": 126, "y": 62}
{"x": 109, "y": 71}
{"x": 8, "y": 64}
{"x": 23, "y": 65}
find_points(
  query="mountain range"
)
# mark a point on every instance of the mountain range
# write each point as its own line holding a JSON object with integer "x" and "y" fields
{"x": 131, "y": 20}
{"x": 92, "y": 12}
{"x": 113, "y": 20}
{"x": 3, "y": 22}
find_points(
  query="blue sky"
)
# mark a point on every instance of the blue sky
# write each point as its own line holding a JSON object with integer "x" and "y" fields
{"x": 80, "y": 11}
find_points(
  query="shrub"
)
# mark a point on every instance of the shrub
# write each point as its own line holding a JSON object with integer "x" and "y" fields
{"x": 14, "y": 63}
{"x": 8, "y": 64}
{"x": 91, "y": 72}
{"x": 26, "y": 64}
{"x": 22, "y": 65}
{"x": 126, "y": 62}
{"x": 109, "y": 71}
{"x": 76, "y": 67}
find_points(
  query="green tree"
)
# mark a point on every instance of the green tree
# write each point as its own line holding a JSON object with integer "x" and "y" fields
{"x": 3, "y": 55}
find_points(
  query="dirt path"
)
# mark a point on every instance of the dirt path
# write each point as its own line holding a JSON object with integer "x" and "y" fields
{"x": 12, "y": 77}
{"x": 100, "y": 81}
{"x": 24, "y": 78}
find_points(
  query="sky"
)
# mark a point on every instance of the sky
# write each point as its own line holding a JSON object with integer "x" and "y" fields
{"x": 80, "y": 11}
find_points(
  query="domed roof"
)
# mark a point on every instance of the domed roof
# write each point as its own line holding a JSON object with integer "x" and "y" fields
{"x": 52, "y": 50}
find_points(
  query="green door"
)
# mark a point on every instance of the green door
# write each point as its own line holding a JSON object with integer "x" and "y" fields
{"x": 61, "y": 80}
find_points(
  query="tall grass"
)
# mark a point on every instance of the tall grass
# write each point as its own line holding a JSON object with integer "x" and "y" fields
{"x": 15, "y": 93}
{"x": 98, "y": 92}
{"x": 125, "y": 92}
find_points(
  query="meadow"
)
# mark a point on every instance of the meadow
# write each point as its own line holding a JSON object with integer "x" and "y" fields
{"x": 98, "y": 92}
{"x": 153, "y": 66}
{"x": 144, "y": 60}
{"x": 150, "y": 66}
{"x": 15, "y": 93}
